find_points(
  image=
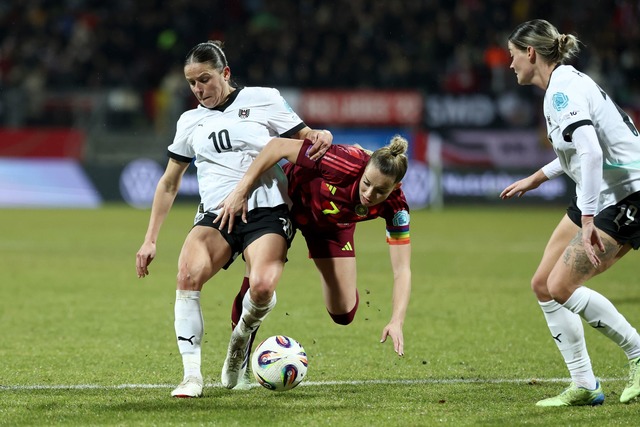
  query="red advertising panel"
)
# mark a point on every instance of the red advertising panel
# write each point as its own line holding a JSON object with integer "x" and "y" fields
{"x": 362, "y": 107}
{"x": 56, "y": 143}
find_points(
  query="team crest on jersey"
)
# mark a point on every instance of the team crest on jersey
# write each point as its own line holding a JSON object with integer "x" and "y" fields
{"x": 559, "y": 100}
{"x": 243, "y": 113}
{"x": 362, "y": 210}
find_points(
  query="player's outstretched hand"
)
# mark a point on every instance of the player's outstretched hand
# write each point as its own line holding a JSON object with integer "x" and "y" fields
{"x": 518, "y": 188}
{"x": 394, "y": 331}
{"x": 322, "y": 140}
{"x": 145, "y": 255}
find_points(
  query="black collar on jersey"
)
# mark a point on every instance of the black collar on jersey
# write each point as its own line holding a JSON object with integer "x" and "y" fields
{"x": 232, "y": 97}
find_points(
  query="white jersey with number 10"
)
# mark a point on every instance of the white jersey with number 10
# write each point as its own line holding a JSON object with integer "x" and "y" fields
{"x": 226, "y": 139}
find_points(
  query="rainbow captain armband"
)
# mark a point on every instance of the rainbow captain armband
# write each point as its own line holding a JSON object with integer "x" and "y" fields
{"x": 399, "y": 236}
{"x": 398, "y": 233}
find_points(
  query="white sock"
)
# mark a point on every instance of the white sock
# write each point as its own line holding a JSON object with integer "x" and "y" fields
{"x": 253, "y": 314}
{"x": 601, "y": 314}
{"x": 568, "y": 334}
{"x": 189, "y": 327}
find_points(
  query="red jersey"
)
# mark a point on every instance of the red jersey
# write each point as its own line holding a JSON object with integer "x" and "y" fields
{"x": 325, "y": 194}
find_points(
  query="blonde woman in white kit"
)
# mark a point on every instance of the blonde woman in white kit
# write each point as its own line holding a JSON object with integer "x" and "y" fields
{"x": 598, "y": 147}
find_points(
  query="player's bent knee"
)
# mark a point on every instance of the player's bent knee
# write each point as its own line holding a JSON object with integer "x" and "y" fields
{"x": 343, "y": 319}
{"x": 539, "y": 287}
{"x": 262, "y": 290}
{"x": 346, "y": 318}
{"x": 184, "y": 275}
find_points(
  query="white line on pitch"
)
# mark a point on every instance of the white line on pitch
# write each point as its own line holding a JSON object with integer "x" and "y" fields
{"x": 305, "y": 384}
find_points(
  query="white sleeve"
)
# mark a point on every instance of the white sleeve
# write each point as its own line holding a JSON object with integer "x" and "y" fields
{"x": 590, "y": 154}
{"x": 553, "y": 169}
{"x": 184, "y": 129}
{"x": 281, "y": 117}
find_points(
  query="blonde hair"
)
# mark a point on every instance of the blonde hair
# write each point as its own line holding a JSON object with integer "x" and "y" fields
{"x": 546, "y": 40}
{"x": 391, "y": 160}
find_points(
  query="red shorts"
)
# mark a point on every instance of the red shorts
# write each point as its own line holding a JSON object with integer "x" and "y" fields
{"x": 337, "y": 243}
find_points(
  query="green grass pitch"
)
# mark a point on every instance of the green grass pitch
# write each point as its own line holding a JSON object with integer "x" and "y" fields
{"x": 83, "y": 341}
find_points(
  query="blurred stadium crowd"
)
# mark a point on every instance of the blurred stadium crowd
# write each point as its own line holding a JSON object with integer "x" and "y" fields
{"x": 432, "y": 45}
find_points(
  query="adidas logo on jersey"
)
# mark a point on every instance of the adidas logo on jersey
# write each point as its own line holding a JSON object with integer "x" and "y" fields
{"x": 347, "y": 247}
{"x": 331, "y": 188}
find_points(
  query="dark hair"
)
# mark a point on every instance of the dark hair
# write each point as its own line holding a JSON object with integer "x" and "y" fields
{"x": 209, "y": 52}
{"x": 391, "y": 159}
{"x": 546, "y": 40}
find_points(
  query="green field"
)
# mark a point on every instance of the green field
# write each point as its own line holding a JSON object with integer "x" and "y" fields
{"x": 83, "y": 341}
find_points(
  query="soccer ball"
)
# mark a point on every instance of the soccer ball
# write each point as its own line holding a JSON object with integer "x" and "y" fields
{"x": 279, "y": 363}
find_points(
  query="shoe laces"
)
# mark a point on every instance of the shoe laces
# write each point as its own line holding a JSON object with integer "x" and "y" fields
{"x": 572, "y": 390}
{"x": 236, "y": 359}
{"x": 634, "y": 365}
{"x": 190, "y": 379}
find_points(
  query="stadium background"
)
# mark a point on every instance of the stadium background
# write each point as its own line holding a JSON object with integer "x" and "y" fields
{"x": 90, "y": 91}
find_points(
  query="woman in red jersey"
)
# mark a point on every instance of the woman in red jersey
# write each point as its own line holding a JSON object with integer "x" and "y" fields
{"x": 330, "y": 195}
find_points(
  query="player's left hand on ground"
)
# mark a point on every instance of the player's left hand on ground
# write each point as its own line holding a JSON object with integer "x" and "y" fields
{"x": 322, "y": 140}
{"x": 591, "y": 239}
{"x": 395, "y": 332}
{"x": 234, "y": 204}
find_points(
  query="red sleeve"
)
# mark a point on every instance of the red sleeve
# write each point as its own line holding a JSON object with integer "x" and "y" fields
{"x": 341, "y": 163}
{"x": 303, "y": 159}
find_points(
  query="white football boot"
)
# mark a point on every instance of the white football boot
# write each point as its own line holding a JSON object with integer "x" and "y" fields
{"x": 235, "y": 363}
{"x": 189, "y": 387}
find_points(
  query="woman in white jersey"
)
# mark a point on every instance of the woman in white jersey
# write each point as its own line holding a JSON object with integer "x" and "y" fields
{"x": 223, "y": 135}
{"x": 598, "y": 147}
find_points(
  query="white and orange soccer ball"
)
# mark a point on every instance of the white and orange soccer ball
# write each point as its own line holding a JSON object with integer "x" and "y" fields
{"x": 279, "y": 363}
